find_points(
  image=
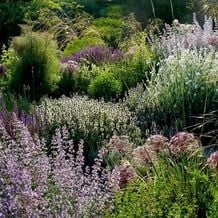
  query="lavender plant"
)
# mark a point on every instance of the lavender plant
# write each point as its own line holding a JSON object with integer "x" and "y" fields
{"x": 24, "y": 172}
{"x": 96, "y": 54}
{"x": 35, "y": 185}
{"x": 30, "y": 120}
{"x": 178, "y": 37}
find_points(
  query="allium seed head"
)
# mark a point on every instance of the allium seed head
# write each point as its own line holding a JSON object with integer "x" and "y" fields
{"x": 213, "y": 160}
{"x": 183, "y": 142}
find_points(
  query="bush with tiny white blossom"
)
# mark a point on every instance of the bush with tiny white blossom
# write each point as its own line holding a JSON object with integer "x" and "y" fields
{"x": 94, "y": 122}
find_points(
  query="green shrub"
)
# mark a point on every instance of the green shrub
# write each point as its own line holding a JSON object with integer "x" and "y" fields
{"x": 109, "y": 29}
{"x": 36, "y": 65}
{"x": 115, "y": 11}
{"x": 113, "y": 80}
{"x": 80, "y": 43}
{"x": 66, "y": 85}
{"x": 184, "y": 86}
{"x": 94, "y": 122}
{"x": 136, "y": 68}
{"x": 84, "y": 76}
{"x": 105, "y": 86}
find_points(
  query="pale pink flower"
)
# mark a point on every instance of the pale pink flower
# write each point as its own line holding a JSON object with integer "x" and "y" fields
{"x": 157, "y": 143}
{"x": 213, "y": 160}
{"x": 122, "y": 175}
{"x": 142, "y": 156}
{"x": 119, "y": 144}
{"x": 183, "y": 142}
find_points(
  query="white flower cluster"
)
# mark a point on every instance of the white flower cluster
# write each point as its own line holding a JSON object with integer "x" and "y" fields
{"x": 94, "y": 122}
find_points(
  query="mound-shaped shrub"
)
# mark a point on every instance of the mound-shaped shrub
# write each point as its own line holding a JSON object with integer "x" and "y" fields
{"x": 105, "y": 86}
{"x": 94, "y": 122}
{"x": 184, "y": 86}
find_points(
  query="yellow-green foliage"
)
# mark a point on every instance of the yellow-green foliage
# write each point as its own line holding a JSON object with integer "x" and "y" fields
{"x": 36, "y": 65}
{"x": 109, "y": 29}
{"x": 80, "y": 43}
{"x": 105, "y": 86}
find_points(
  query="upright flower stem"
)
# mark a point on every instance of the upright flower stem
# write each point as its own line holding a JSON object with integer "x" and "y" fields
{"x": 153, "y": 10}
{"x": 172, "y": 11}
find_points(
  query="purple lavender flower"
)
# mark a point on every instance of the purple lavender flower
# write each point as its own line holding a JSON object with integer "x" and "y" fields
{"x": 30, "y": 120}
{"x": 69, "y": 67}
{"x": 96, "y": 54}
{"x": 35, "y": 185}
{"x": 122, "y": 175}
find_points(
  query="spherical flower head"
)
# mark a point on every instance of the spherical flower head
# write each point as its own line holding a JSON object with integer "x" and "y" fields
{"x": 70, "y": 67}
{"x": 122, "y": 175}
{"x": 213, "y": 160}
{"x": 119, "y": 144}
{"x": 141, "y": 156}
{"x": 183, "y": 142}
{"x": 158, "y": 143}
{"x": 213, "y": 40}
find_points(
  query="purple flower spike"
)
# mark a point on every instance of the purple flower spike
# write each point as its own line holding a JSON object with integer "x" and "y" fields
{"x": 96, "y": 54}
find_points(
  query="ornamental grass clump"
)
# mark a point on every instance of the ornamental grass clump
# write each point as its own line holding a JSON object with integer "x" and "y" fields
{"x": 174, "y": 188}
{"x": 36, "y": 185}
{"x": 94, "y": 122}
{"x": 36, "y": 65}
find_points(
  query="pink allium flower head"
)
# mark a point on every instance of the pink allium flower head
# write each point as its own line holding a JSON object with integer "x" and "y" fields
{"x": 122, "y": 175}
{"x": 157, "y": 142}
{"x": 120, "y": 144}
{"x": 70, "y": 67}
{"x": 183, "y": 142}
{"x": 213, "y": 160}
{"x": 142, "y": 156}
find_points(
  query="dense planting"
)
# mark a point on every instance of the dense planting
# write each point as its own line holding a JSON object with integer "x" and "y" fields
{"x": 104, "y": 113}
{"x": 94, "y": 122}
{"x": 184, "y": 86}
